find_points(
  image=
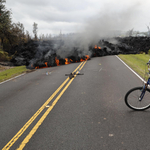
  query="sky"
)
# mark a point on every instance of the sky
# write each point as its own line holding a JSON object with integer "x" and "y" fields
{"x": 93, "y": 17}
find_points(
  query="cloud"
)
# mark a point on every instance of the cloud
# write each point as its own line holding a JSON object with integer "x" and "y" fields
{"x": 69, "y": 15}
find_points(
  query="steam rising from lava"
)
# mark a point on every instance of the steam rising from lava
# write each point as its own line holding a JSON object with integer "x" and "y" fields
{"x": 106, "y": 24}
{"x": 72, "y": 48}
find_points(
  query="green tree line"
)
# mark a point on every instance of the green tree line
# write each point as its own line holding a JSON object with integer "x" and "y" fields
{"x": 12, "y": 34}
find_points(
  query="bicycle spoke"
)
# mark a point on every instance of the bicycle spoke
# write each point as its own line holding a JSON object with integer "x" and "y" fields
{"x": 132, "y": 99}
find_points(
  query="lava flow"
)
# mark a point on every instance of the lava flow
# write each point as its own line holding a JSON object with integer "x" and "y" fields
{"x": 66, "y": 61}
{"x": 57, "y": 61}
{"x": 97, "y": 47}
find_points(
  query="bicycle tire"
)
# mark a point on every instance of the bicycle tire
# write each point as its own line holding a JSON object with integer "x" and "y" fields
{"x": 132, "y": 99}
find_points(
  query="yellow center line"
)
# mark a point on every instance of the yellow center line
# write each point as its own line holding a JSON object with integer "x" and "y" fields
{"x": 22, "y": 130}
{"x": 34, "y": 129}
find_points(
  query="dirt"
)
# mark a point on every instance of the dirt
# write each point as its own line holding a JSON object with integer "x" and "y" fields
{"x": 5, "y": 65}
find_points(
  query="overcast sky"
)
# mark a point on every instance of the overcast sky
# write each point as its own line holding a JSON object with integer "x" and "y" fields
{"x": 91, "y": 16}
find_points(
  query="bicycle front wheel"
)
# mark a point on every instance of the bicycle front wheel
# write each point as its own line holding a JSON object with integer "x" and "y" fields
{"x": 132, "y": 99}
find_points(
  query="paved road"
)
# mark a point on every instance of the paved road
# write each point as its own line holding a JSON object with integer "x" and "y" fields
{"x": 89, "y": 115}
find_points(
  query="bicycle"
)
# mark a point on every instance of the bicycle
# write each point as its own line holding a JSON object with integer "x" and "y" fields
{"x": 138, "y": 98}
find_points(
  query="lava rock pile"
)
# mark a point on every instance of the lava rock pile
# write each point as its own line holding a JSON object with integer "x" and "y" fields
{"x": 36, "y": 53}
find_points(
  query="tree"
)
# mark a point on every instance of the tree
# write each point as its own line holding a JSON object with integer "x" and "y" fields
{"x": 20, "y": 32}
{"x": 28, "y": 36}
{"x": 17, "y": 35}
{"x": 35, "y": 27}
{"x": 5, "y": 22}
{"x": 130, "y": 32}
{"x": 148, "y": 31}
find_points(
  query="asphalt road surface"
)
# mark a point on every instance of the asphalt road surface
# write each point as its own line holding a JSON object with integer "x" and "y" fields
{"x": 45, "y": 110}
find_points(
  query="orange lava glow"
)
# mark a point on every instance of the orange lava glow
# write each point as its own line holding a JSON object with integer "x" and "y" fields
{"x": 57, "y": 61}
{"x": 97, "y": 47}
{"x": 66, "y": 61}
{"x": 87, "y": 57}
{"x": 46, "y": 64}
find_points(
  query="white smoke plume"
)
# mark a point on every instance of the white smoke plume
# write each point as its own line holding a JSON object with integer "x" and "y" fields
{"x": 104, "y": 25}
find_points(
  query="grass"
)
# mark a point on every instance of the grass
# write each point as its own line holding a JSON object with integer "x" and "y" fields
{"x": 9, "y": 73}
{"x": 137, "y": 62}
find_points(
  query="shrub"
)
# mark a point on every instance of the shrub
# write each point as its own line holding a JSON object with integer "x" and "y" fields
{"x": 4, "y": 56}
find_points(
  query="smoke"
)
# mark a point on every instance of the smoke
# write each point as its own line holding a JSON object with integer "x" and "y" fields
{"x": 108, "y": 23}
{"x": 105, "y": 25}
{"x": 74, "y": 43}
{"x": 109, "y": 20}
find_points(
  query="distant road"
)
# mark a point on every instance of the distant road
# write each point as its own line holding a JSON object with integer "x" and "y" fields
{"x": 45, "y": 110}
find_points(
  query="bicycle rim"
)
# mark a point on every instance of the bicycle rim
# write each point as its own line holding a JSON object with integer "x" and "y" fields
{"x": 132, "y": 99}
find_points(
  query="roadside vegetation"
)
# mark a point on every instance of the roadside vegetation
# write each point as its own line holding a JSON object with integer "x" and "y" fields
{"x": 4, "y": 56}
{"x": 12, "y": 72}
{"x": 137, "y": 62}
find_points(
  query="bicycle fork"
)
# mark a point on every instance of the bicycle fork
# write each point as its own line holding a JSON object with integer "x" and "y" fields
{"x": 144, "y": 90}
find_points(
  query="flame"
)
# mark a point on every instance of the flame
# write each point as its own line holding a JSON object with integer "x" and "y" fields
{"x": 82, "y": 59}
{"x": 57, "y": 61}
{"x": 97, "y": 47}
{"x": 37, "y": 67}
{"x": 87, "y": 57}
{"x": 46, "y": 64}
{"x": 66, "y": 61}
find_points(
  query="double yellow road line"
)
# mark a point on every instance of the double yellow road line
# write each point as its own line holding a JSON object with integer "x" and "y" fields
{"x": 34, "y": 129}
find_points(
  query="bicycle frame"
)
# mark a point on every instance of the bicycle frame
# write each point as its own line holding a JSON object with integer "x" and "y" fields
{"x": 146, "y": 84}
{"x": 144, "y": 89}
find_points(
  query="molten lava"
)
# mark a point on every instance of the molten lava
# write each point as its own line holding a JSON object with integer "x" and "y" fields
{"x": 82, "y": 60}
{"x": 57, "y": 61}
{"x": 97, "y": 47}
{"x": 46, "y": 64}
{"x": 66, "y": 61}
{"x": 87, "y": 57}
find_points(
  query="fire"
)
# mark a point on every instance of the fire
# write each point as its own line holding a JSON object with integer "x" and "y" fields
{"x": 46, "y": 64}
{"x": 97, "y": 47}
{"x": 57, "y": 61}
{"x": 82, "y": 59}
{"x": 87, "y": 57}
{"x": 66, "y": 61}
{"x": 37, "y": 67}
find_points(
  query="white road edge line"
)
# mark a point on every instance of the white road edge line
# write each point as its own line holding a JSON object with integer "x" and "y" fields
{"x": 131, "y": 69}
{"x": 12, "y": 78}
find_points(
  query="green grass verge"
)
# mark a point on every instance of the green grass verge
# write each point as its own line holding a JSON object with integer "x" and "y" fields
{"x": 9, "y": 73}
{"x": 137, "y": 62}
